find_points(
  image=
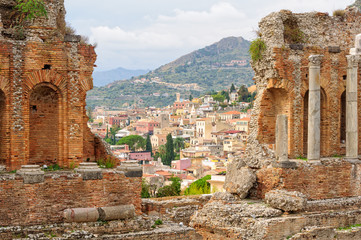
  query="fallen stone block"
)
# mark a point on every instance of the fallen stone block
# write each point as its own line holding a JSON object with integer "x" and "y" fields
{"x": 116, "y": 213}
{"x": 239, "y": 181}
{"x": 286, "y": 201}
{"x": 81, "y": 215}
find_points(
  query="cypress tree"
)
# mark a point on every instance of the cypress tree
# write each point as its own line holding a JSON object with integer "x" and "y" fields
{"x": 233, "y": 88}
{"x": 148, "y": 145}
{"x": 169, "y": 146}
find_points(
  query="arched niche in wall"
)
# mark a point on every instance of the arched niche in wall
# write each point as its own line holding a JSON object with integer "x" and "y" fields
{"x": 3, "y": 140}
{"x": 44, "y": 124}
{"x": 275, "y": 101}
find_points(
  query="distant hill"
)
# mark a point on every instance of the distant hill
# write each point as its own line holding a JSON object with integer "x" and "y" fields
{"x": 103, "y": 78}
{"x": 214, "y": 67}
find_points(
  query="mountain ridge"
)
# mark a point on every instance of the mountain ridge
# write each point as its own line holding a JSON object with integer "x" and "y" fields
{"x": 214, "y": 67}
{"x": 103, "y": 78}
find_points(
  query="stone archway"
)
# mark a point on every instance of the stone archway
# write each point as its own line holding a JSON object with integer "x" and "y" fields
{"x": 274, "y": 101}
{"x": 44, "y": 125}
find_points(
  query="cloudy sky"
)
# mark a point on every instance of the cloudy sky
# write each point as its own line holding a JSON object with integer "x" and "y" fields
{"x": 144, "y": 34}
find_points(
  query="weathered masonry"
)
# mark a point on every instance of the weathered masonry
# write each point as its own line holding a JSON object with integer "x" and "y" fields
{"x": 44, "y": 77}
{"x": 308, "y": 74}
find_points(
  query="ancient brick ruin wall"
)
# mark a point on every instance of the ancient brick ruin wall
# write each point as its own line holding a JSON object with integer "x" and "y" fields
{"x": 44, "y": 203}
{"x": 49, "y": 125}
{"x": 332, "y": 178}
{"x": 282, "y": 78}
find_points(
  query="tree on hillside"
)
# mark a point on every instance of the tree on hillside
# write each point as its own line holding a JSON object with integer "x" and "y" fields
{"x": 218, "y": 97}
{"x": 190, "y": 97}
{"x": 243, "y": 94}
{"x": 179, "y": 144}
{"x": 169, "y": 148}
{"x": 225, "y": 94}
{"x": 133, "y": 141}
{"x": 148, "y": 145}
{"x": 233, "y": 88}
{"x": 113, "y": 132}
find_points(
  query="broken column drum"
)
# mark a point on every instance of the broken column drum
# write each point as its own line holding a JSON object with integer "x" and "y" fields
{"x": 314, "y": 108}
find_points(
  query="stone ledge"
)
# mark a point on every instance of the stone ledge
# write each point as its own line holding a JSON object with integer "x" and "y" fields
{"x": 131, "y": 169}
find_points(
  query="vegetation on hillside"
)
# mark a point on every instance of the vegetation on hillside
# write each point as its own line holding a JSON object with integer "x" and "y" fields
{"x": 211, "y": 68}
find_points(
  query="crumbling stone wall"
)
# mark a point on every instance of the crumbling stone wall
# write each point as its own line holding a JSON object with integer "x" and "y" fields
{"x": 282, "y": 77}
{"x": 31, "y": 204}
{"x": 331, "y": 178}
{"x": 41, "y": 56}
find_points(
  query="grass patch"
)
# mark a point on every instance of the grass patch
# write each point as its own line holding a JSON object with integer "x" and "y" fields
{"x": 158, "y": 222}
{"x": 257, "y": 49}
{"x": 337, "y": 156}
{"x": 302, "y": 158}
{"x": 292, "y": 33}
{"x": 349, "y": 227}
{"x": 106, "y": 163}
{"x": 51, "y": 168}
{"x": 339, "y": 13}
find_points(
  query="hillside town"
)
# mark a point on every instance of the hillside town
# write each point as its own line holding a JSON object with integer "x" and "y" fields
{"x": 272, "y": 152}
{"x": 206, "y": 136}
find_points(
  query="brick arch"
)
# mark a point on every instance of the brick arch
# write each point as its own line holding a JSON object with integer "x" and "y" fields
{"x": 44, "y": 76}
{"x": 52, "y": 86}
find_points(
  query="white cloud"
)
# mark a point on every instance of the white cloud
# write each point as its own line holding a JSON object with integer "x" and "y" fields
{"x": 181, "y": 32}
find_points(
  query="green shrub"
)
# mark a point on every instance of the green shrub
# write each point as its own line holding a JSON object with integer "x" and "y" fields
{"x": 54, "y": 167}
{"x": 30, "y": 9}
{"x": 339, "y": 13}
{"x": 292, "y": 33}
{"x": 201, "y": 186}
{"x": 107, "y": 163}
{"x": 145, "y": 189}
{"x": 256, "y": 49}
{"x": 172, "y": 190}
{"x": 158, "y": 222}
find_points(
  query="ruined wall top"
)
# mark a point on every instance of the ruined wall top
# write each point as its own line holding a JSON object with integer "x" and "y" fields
{"x": 39, "y": 29}
{"x": 313, "y": 28}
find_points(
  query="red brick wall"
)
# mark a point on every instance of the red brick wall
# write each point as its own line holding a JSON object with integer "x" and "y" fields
{"x": 44, "y": 203}
{"x": 44, "y": 126}
{"x": 331, "y": 179}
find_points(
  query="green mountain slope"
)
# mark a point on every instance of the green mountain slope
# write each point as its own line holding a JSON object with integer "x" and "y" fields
{"x": 214, "y": 67}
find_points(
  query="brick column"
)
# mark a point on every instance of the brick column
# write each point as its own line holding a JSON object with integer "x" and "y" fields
{"x": 74, "y": 105}
{"x": 351, "y": 108}
{"x": 314, "y": 108}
